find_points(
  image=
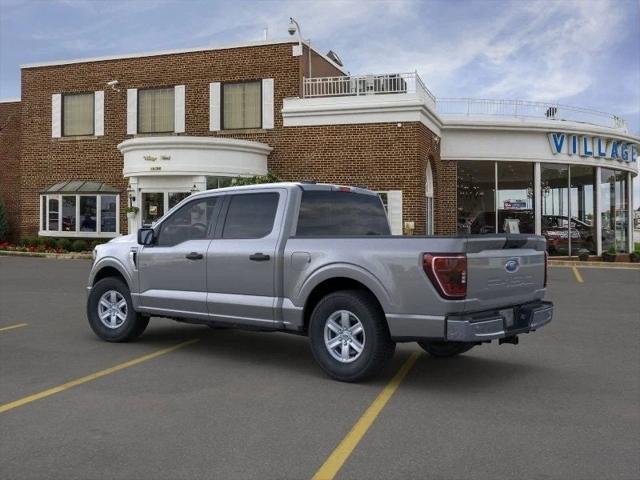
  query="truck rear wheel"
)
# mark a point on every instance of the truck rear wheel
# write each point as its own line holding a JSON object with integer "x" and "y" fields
{"x": 349, "y": 336}
{"x": 445, "y": 349}
{"x": 111, "y": 314}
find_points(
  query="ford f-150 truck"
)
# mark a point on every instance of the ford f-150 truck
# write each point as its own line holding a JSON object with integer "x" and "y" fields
{"x": 318, "y": 260}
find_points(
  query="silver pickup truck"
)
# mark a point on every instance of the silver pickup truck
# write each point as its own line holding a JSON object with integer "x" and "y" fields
{"x": 318, "y": 260}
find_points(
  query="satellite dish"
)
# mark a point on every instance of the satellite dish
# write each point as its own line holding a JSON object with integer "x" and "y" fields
{"x": 335, "y": 58}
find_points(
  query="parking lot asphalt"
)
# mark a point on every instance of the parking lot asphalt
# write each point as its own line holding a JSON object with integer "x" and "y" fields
{"x": 564, "y": 403}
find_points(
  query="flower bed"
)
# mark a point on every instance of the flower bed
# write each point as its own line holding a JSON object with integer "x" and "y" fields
{"x": 50, "y": 245}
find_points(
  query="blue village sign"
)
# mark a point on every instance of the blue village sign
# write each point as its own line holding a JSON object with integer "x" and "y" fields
{"x": 591, "y": 146}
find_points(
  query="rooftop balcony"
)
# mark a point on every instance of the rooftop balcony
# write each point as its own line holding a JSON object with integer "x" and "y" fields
{"x": 411, "y": 83}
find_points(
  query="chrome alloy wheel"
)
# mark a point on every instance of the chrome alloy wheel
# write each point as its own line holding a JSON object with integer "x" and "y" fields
{"x": 112, "y": 309}
{"x": 344, "y": 336}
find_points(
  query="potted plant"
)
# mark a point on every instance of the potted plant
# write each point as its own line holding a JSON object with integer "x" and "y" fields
{"x": 610, "y": 254}
{"x": 132, "y": 212}
{"x": 583, "y": 255}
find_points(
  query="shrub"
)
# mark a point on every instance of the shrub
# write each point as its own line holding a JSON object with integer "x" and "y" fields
{"x": 4, "y": 223}
{"x": 51, "y": 243}
{"x": 268, "y": 178}
{"x": 79, "y": 246}
{"x": 28, "y": 241}
{"x": 95, "y": 243}
{"x": 65, "y": 244}
{"x": 42, "y": 241}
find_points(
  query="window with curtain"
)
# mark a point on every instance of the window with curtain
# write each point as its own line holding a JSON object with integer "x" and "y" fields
{"x": 77, "y": 114}
{"x": 241, "y": 105}
{"x": 156, "y": 109}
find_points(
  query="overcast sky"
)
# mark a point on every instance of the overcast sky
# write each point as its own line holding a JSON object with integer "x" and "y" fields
{"x": 578, "y": 52}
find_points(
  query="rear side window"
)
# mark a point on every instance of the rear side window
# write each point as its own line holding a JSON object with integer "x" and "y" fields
{"x": 341, "y": 214}
{"x": 250, "y": 215}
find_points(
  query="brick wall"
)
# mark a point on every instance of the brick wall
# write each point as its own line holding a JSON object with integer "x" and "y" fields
{"x": 10, "y": 162}
{"x": 382, "y": 156}
{"x": 47, "y": 160}
{"x": 444, "y": 183}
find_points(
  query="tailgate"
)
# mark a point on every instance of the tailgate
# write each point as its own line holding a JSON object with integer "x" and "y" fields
{"x": 504, "y": 270}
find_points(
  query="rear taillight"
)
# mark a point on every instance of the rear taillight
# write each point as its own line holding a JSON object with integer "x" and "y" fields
{"x": 546, "y": 268}
{"x": 448, "y": 273}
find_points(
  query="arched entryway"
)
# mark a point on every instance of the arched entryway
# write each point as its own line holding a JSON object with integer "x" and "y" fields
{"x": 428, "y": 190}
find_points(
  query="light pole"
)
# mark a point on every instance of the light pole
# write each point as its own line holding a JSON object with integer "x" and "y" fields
{"x": 294, "y": 27}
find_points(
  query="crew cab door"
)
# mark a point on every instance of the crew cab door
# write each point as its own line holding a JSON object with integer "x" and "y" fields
{"x": 242, "y": 259}
{"x": 172, "y": 272}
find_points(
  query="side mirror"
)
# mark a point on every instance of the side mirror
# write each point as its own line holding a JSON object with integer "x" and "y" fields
{"x": 146, "y": 236}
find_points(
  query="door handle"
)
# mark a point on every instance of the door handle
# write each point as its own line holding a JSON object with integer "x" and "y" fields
{"x": 194, "y": 256}
{"x": 259, "y": 257}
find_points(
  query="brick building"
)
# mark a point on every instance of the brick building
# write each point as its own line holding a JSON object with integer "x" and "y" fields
{"x": 91, "y": 137}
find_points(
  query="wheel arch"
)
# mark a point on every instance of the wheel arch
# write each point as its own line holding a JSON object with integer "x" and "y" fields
{"x": 108, "y": 268}
{"x": 333, "y": 284}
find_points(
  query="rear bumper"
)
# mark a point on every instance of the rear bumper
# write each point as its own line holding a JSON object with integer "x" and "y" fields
{"x": 474, "y": 327}
{"x": 492, "y": 325}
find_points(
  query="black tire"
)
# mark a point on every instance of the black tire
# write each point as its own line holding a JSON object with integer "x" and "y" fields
{"x": 134, "y": 323}
{"x": 378, "y": 348}
{"x": 445, "y": 349}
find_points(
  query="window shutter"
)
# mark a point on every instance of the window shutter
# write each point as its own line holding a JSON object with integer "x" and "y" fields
{"x": 394, "y": 211}
{"x": 132, "y": 111}
{"x": 179, "y": 91}
{"x": 56, "y": 115}
{"x": 98, "y": 112}
{"x": 267, "y": 103}
{"x": 214, "y": 106}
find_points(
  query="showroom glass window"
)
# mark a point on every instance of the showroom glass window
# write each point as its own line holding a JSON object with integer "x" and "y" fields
{"x": 156, "y": 110}
{"x": 77, "y": 114}
{"x": 476, "y": 197}
{"x": 516, "y": 197}
{"x": 242, "y": 105}
{"x": 555, "y": 207}
{"x": 614, "y": 210}
{"x": 582, "y": 205}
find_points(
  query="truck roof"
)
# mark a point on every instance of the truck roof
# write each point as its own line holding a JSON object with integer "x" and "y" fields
{"x": 289, "y": 185}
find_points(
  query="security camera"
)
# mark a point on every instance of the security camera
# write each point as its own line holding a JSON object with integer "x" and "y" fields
{"x": 292, "y": 28}
{"x": 113, "y": 84}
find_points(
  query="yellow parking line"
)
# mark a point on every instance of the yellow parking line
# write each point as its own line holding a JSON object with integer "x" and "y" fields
{"x": 576, "y": 274}
{"x": 11, "y": 327}
{"x": 94, "y": 376}
{"x": 334, "y": 463}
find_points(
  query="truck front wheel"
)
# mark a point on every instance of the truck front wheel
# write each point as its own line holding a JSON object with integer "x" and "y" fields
{"x": 445, "y": 349}
{"x": 349, "y": 336}
{"x": 111, "y": 314}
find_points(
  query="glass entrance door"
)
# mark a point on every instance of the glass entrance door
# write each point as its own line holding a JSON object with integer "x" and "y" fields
{"x": 152, "y": 207}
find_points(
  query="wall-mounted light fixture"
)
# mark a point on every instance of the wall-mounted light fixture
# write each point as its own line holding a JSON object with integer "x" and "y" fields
{"x": 131, "y": 192}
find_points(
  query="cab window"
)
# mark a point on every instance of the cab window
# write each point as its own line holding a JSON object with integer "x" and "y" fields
{"x": 250, "y": 215}
{"x": 193, "y": 221}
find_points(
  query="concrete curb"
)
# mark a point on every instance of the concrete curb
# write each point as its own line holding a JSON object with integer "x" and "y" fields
{"x": 614, "y": 265}
{"x": 59, "y": 256}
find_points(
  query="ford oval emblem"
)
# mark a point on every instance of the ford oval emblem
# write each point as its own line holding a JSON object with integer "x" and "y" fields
{"x": 512, "y": 265}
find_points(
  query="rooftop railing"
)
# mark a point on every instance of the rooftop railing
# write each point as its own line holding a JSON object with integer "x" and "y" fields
{"x": 357, "y": 85}
{"x": 473, "y": 107}
{"x": 411, "y": 83}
